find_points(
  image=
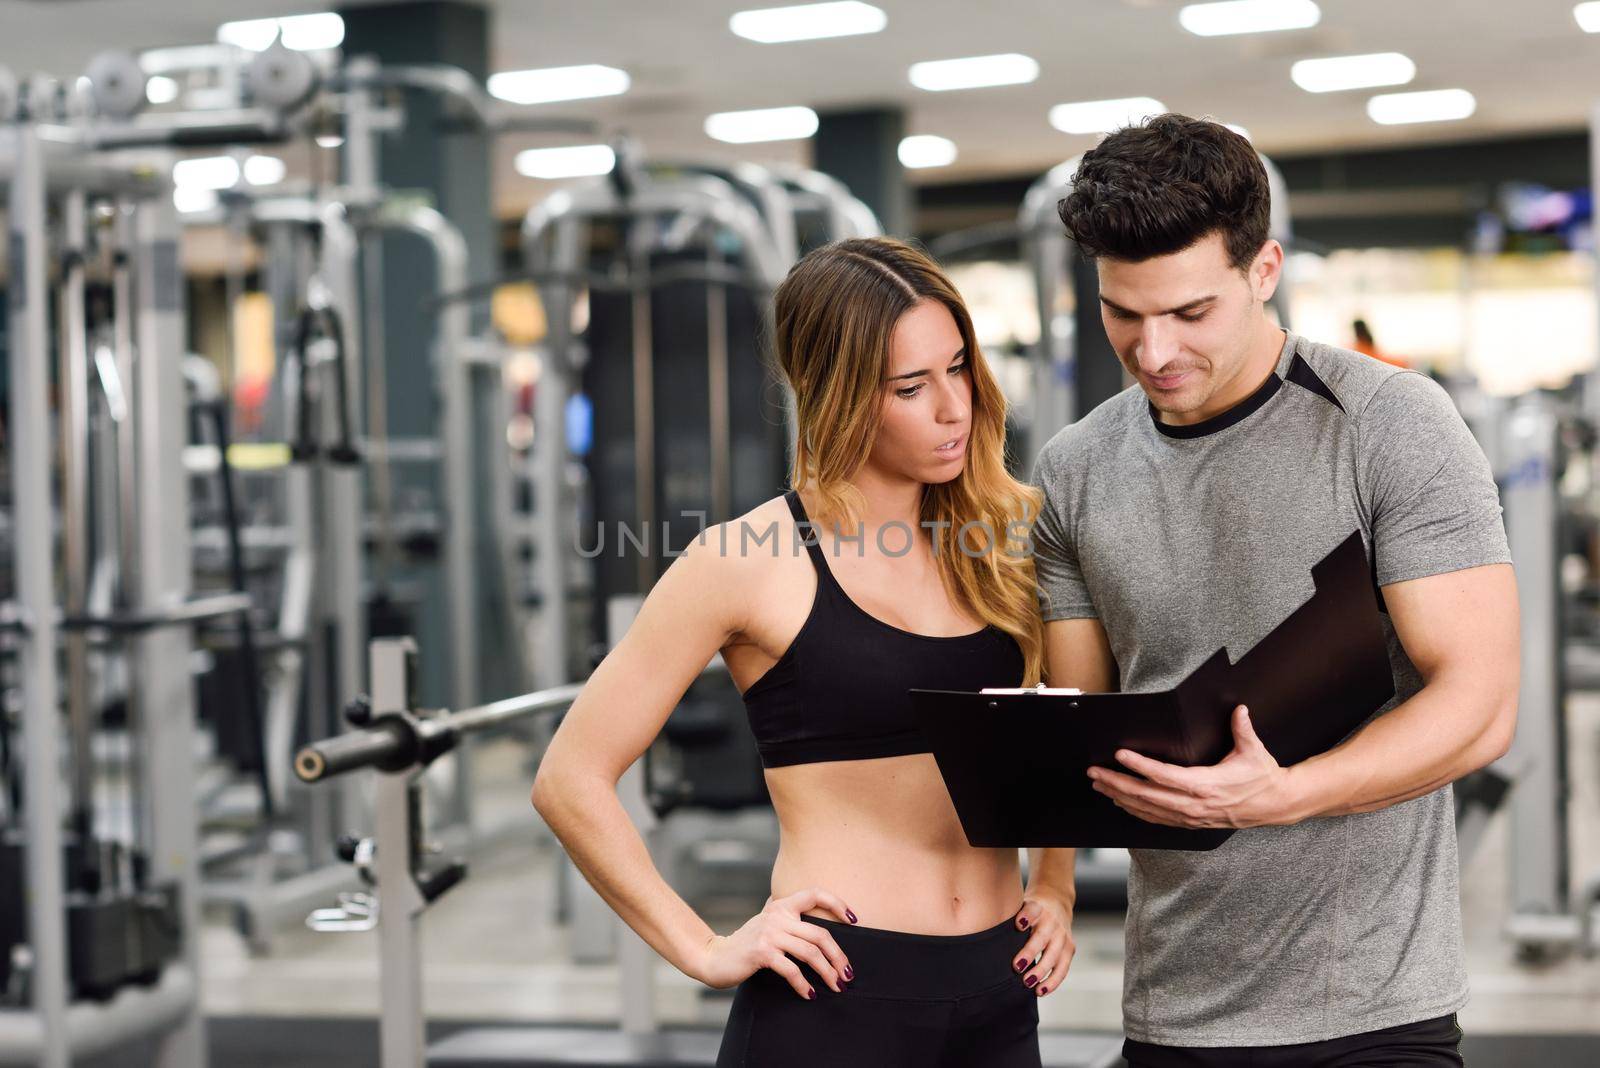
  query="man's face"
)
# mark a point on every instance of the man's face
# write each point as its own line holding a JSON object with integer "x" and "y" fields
{"x": 1185, "y": 326}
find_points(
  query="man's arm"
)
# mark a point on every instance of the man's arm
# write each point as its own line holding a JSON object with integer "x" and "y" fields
{"x": 1460, "y": 629}
{"x": 1076, "y": 654}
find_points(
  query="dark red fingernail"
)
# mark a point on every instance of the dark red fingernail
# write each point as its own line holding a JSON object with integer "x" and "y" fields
{"x": 1022, "y": 965}
{"x": 1043, "y": 991}
{"x": 811, "y": 995}
{"x": 851, "y": 916}
{"x": 849, "y": 974}
{"x": 1030, "y": 980}
{"x": 1022, "y": 922}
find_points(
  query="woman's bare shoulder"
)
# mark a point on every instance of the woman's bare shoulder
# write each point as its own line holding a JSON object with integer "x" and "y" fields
{"x": 746, "y": 545}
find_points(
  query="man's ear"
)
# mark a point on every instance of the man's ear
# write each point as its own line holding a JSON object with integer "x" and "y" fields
{"x": 1266, "y": 271}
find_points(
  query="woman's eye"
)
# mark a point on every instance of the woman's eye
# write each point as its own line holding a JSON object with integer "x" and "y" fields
{"x": 958, "y": 368}
{"x": 908, "y": 392}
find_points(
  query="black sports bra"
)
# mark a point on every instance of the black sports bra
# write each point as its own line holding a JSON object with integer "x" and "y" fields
{"x": 839, "y": 690}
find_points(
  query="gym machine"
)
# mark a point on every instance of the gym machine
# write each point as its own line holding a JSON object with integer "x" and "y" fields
{"x": 322, "y": 267}
{"x": 1530, "y": 440}
{"x": 101, "y": 949}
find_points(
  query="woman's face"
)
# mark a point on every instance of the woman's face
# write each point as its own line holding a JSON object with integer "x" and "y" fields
{"x": 927, "y": 398}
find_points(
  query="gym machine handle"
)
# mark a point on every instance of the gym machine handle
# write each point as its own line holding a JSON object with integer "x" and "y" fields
{"x": 394, "y": 742}
{"x": 324, "y": 323}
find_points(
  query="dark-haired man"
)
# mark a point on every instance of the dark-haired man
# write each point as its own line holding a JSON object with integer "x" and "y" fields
{"x": 1185, "y": 515}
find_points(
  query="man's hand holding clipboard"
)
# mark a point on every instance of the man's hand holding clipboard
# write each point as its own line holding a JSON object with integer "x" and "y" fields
{"x": 1247, "y": 789}
{"x": 1180, "y": 769}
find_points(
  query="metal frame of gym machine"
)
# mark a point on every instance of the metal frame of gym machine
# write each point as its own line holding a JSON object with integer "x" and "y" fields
{"x": 554, "y": 238}
{"x": 47, "y": 159}
{"x": 1522, "y": 440}
{"x": 400, "y": 742}
{"x": 322, "y": 574}
{"x": 555, "y": 243}
{"x": 324, "y": 499}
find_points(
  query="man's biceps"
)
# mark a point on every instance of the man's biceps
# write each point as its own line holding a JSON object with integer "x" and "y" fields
{"x": 1457, "y": 616}
{"x": 1484, "y": 594}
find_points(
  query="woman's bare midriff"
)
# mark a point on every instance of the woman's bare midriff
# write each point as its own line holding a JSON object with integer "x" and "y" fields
{"x": 883, "y": 835}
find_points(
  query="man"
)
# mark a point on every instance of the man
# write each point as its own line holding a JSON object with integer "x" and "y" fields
{"x": 1185, "y": 515}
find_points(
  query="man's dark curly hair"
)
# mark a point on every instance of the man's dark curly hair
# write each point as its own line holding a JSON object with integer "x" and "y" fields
{"x": 1157, "y": 188}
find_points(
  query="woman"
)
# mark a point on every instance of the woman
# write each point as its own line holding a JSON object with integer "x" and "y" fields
{"x": 888, "y": 940}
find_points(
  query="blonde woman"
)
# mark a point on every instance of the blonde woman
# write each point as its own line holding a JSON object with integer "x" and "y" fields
{"x": 898, "y": 562}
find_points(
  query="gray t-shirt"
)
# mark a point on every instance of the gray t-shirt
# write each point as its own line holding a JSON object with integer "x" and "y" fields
{"x": 1183, "y": 540}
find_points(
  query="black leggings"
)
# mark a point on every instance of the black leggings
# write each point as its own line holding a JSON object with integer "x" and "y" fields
{"x": 918, "y": 1001}
{"x": 1428, "y": 1044}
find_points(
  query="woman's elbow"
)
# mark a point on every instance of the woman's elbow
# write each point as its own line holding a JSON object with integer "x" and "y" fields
{"x": 546, "y": 793}
{"x": 560, "y": 788}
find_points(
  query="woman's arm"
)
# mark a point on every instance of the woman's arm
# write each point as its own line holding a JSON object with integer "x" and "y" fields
{"x": 1076, "y": 654}
{"x": 691, "y": 613}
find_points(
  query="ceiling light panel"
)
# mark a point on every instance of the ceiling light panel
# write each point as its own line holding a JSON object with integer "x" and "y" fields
{"x": 763, "y": 124}
{"x": 808, "y": 22}
{"x": 1337, "y": 73}
{"x": 206, "y": 172}
{"x": 1248, "y": 16}
{"x": 303, "y": 33}
{"x": 1437, "y": 105}
{"x": 926, "y": 150}
{"x": 974, "y": 72}
{"x": 570, "y": 161}
{"x": 264, "y": 170}
{"x": 1103, "y": 116}
{"x": 547, "y": 84}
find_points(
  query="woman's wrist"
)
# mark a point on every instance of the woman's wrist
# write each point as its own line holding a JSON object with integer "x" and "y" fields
{"x": 1066, "y": 896}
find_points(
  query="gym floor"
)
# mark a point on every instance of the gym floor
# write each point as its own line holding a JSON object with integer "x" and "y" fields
{"x": 492, "y": 953}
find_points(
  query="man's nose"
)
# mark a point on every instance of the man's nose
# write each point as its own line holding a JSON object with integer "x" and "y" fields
{"x": 1158, "y": 344}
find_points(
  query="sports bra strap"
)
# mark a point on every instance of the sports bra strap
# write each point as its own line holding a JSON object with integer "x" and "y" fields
{"x": 808, "y": 531}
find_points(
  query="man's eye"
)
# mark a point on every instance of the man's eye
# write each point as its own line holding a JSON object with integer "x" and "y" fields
{"x": 1193, "y": 318}
{"x": 1122, "y": 316}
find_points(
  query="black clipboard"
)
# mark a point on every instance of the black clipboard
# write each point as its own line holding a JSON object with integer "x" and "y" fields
{"x": 1015, "y": 764}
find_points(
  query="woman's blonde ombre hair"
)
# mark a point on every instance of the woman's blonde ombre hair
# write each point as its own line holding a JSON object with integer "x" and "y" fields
{"x": 835, "y": 315}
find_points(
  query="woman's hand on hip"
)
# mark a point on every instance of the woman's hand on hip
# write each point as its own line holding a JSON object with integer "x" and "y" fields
{"x": 775, "y": 938}
{"x": 1044, "y": 960}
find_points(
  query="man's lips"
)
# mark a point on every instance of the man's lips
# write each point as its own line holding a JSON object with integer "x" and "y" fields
{"x": 1168, "y": 381}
